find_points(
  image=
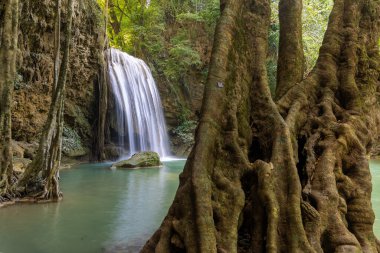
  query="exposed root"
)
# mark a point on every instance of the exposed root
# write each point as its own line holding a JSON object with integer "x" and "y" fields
{"x": 7, "y": 193}
{"x": 267, "y": 195}
{"x": 312, "y": 223}
{"x": 6, "y": 203}
{"x": 48, "y": 195}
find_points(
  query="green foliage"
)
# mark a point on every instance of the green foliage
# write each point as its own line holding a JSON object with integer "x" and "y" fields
{"x": 19, "y": 82}
{"x": 272, "y": 74}
{"x": 315, "y": 18}
{"x": 185, "y": 131}
{"x": 273, "y": 39}
{"x": 140, "y": 29}
{"x": 181, "y": 58}
{"x": 164, "y": 33}
{"x": 189, "y": 17}
{"x": 273, "y": 42}
{"x": 70, "y": 140}
{"x": 314, "y": 23}
{"x": 186, "y": 128}
{"x": 184, "y": 115}
{"x": 211, "y": 12}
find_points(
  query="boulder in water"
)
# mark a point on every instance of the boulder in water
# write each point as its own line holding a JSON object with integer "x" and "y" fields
{"x": 139, "y": 160}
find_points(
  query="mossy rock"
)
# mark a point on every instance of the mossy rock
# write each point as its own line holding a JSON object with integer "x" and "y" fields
{"x": 139, "y": 160}
{"x": 72, "y": 143}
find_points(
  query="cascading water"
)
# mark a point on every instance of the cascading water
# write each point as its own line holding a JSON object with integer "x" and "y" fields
{"x": 139, "y": 115}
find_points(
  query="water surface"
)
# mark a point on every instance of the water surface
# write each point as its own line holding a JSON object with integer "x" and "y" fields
{"x": 104, "y": 210}
{"x": 101, "y": 208}
{"x": 375, "y": 171}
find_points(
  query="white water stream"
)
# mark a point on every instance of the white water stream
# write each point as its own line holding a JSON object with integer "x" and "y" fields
{"x": 140, "y": 119}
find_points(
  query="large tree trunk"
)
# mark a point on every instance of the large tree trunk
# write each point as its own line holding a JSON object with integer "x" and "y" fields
{"x": 99, "y": 143}
{"x": 291, "y": 61}
{"x": 9, "y": 12}
{"x": 40, "y": 180}
{"x": 285, "y": 177}
{"x": 99, "y": 152}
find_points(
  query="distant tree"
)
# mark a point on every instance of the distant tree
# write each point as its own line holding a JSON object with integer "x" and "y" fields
{"x": 41, "y": 178}
{"x": 9, "y": 12}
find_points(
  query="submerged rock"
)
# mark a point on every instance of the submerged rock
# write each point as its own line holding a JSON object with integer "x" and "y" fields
{"x": 138, "y": 160}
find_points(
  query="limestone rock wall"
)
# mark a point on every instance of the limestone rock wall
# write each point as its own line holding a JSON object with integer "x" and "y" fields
{"x": 35, "y": 69}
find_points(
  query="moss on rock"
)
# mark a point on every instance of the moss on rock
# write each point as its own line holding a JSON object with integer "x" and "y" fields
{"x": 139, "y": 160}
{"x": 72, "y": 144}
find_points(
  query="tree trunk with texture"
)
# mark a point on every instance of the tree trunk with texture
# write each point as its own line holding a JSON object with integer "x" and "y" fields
{"x": 291, "y": 61}
{"x": 9, "y": 12}
{"x": 41, "y": 178}
{"x": 115, "y": 21}
{"x": 291, "y": 176}
{"x": 99, "y": 152}
{"x": 99, "y": 143}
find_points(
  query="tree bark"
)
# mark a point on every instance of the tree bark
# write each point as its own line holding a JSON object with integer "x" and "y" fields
{"x": 99, "y": 153}
{"x": 291, "y": 62}
{"x": 102, "y": 110}
{"x": 8, "y": 54}
{"x": 41, "y": 178}
{"x": 290, "y": 176}
{"x": 57, "y": 42}
{"x": 115, "y": 22}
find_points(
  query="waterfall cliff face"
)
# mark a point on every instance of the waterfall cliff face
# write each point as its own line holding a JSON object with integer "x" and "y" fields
{"x": 139, "y": 115}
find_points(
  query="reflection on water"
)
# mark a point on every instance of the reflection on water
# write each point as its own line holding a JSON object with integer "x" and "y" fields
{"x": 104, "y": 210}
{"x": 375, "y": 171}
{"x": 101, "y": 209}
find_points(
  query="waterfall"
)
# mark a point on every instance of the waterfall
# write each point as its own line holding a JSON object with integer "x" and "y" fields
{"x": 139, "y": 115}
